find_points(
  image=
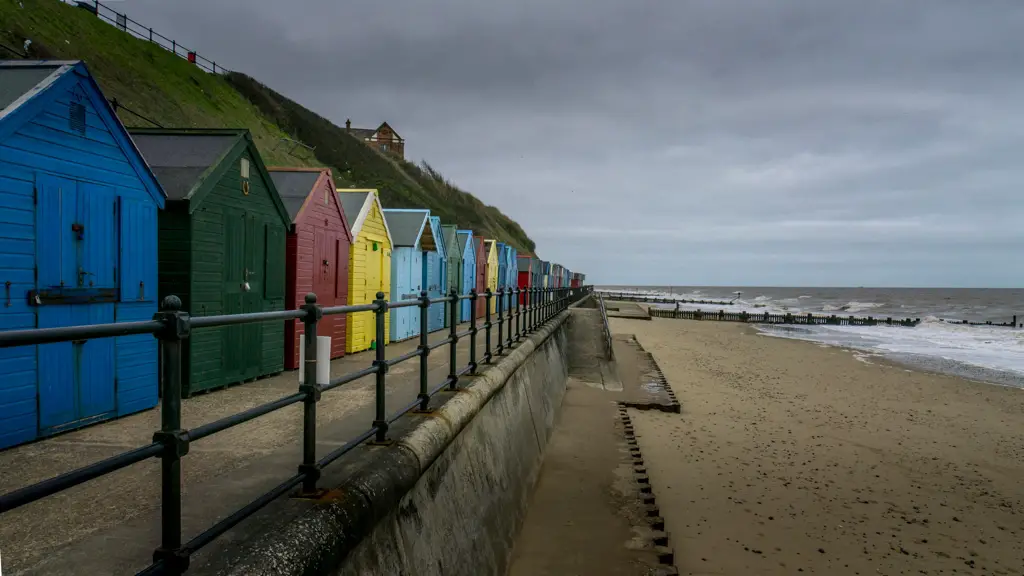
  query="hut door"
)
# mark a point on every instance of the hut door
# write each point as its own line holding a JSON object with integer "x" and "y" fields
{"x": 241, "y": 293}
{"x": 75, "y": 253}
{"x": 324, "y": 281}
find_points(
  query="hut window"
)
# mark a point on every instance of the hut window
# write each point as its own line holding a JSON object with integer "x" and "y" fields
{"x": 245, "y": 168}
{"x": 327, "y": 200}
{"x": 76, "y": 118}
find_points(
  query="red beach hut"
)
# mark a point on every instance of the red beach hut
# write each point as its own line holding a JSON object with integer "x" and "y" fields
{"x": 317, "y": 253}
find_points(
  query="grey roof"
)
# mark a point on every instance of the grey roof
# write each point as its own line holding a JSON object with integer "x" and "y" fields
{"x": 524, "y": 264}
{"x": 16, "y": 80}
{"x": 294, "y": 187}
{"x": 451, "y": 240}
{"x": 182, "y": 158}
{"x": 463, "y": 241}
{"x": 351, "y": 204}
{"x": 405, "y": 226}
{"x": 362, "y": 133}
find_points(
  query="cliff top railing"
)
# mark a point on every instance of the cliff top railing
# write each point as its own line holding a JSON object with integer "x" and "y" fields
{"x": 172, "y": 326}
{"x": 609, "y": 353}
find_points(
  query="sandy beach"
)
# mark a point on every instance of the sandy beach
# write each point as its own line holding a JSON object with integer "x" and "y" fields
{"x": 790, "y": 457}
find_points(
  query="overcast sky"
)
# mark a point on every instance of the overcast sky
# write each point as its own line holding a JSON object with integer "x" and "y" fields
{"x": 824, "y": 143}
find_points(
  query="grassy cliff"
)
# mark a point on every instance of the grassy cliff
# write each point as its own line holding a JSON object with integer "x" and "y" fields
{"x": 157, "y": 86}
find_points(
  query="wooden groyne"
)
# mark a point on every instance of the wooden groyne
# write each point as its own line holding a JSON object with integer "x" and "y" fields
{"x": 632, "y": 297}
{"x": 769, "y": 318}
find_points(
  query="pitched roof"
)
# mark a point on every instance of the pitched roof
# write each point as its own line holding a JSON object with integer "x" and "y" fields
{"x": 180, "y": 159}
{"x": 352, "y": 204}
{"x": 294, "y": 187}
{"x": 465, "y": 236}
{"x": 19, "y": 78}
{"x": 410, "y": 227}
{"x": 362, "y": 133}
{"x": 451, "y": 238}
{"x": 525, "y": 264}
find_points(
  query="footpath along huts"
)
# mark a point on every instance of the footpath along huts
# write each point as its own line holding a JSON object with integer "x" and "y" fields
{"x": 411, "y": 235}
{"x": 369, "y": 265}
{"x": 453, "y": 269}
{"x": 78, "y": 244}
{"x": 481, "y": 276}
{"x": 316, "y": 254}
{"x": 435, "y": 275}
{"x": 491, "y": 253}
{"x": 467, "y": 276}
{"x": 222, "y": 248}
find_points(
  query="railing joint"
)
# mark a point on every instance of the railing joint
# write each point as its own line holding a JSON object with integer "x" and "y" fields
{"x": 175, "y": 560}
{"x": 175, "y": 442}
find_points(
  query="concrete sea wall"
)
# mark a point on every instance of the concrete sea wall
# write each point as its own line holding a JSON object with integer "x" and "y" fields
{"x": 449, "y": 496}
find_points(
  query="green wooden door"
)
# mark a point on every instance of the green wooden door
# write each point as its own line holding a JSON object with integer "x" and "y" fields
{"x": 243, "y": 275}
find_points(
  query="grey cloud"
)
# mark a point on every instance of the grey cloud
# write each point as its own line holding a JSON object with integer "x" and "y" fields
{"x": 686, "y": 142}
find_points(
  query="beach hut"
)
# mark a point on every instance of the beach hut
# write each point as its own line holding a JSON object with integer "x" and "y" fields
{"x": 78, "y": 245}
{"x": 222, "y": 248}
{"x": 467, "y": 276}
{"x": 524, "y": 267}
{"x": 545, "y": 272}
{"x": 481, "y": 276}
{"x": 511, "y": 270}
{"x": 413, "y": 240}
{"x": 435, "y": 275}
{"x": 502, "y": 265}
{"x": 369, "y": 265}
{"x": 316, "y": 254}
{"x": 453, "y": 257}
{"x": 491, "y": 254}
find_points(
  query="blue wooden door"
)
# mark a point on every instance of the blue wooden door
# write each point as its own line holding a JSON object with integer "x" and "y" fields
{"x": 76, "y": 256}
{"x": 400, "y": 269}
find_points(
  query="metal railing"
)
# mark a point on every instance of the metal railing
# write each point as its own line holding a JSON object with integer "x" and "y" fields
{"x": 608, "y": 350}
{"x": 126, "y": 24}
{"x": 172, "y": 326}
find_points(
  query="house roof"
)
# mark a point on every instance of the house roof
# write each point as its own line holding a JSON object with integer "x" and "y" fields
{"x": 294, "y": 187}
{"x": 180, "y": 159}
{"x": 410, "y": 227}
{"x": 362, "y": 133}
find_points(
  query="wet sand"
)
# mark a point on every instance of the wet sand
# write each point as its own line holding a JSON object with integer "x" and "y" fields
{"x": 793, "y": 458}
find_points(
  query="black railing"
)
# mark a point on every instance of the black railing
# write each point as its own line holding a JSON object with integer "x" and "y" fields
{"x": 172, "y": 326}
{"x": 607, "y": 332}
{"x": 769, "y": 318}
{"x": 126, "y": 24}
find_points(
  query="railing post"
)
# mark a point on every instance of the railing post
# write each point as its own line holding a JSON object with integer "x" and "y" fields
{"x": 380, "y": 422}
{"x": 511, "y": 307}
{"x": 424, "y": 348}
{"x": 311, "y": 389}
{"x": 519, "y": 312}
{"x": 176, "y": 328}
{"x": 487, "y": 325}
{"x": 501, "y": 321}
{"x": 472, "y": 327}
{"x": 453, "y": 348}
{"x": 534, "y": 309}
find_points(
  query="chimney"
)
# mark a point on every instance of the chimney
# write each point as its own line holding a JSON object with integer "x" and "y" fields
{"x": 348, "y": 125}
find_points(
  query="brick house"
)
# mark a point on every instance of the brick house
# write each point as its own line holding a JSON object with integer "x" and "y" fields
{"x": 383, "y": 138}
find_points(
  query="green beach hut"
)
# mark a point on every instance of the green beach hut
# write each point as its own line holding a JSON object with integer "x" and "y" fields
{"x": 221, "y": 249}
{"x": 451, "y": 244}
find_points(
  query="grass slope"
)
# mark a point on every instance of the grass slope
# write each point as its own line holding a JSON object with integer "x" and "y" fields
{"x": 401, "y": 183}
{"x": 167, "y": 89}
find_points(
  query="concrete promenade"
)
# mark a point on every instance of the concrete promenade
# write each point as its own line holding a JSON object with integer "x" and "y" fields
{"x": 111, "y": 525}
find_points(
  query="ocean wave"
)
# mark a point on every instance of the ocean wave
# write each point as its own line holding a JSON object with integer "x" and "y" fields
{"x": 852, "y": 307}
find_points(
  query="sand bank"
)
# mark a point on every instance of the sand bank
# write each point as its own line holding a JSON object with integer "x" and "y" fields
{"x": 791, "y": 457}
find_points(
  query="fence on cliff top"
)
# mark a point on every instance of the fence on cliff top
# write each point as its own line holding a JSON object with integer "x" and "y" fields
{"x": 126, "y": 24}
{"x": 172, "y": 326}
{"x": 609, "y": 352}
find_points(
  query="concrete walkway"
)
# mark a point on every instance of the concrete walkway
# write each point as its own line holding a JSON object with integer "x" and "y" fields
{"x": 112, "y": 524}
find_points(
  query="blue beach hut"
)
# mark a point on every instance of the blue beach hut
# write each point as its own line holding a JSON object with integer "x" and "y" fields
{"x": 435, "y": 274}
{"x": 411, "y": 236}
{"x": 78, "y": 208}
{"x": 467, "y": 276}
{"x": 512, "y": 270}
{"x": 503, "y": 268}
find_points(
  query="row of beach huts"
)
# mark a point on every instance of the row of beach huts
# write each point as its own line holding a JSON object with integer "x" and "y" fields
{"x": 99, "y": 222}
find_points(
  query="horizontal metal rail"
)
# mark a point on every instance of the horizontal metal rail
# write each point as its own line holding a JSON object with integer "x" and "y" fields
{"x": 172, "y": 327}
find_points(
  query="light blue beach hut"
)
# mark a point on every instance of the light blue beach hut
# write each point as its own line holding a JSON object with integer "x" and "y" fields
{"x": 435, "y": 275}
{"x": 467, "y": 277}
{"x": 411, "y": 235}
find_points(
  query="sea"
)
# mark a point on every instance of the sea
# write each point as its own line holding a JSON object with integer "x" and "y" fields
{"x": 940, "y": 343}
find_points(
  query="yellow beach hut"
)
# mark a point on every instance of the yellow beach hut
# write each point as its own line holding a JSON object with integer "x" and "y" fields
{"x": 491, "y": 252}
{"x": 369, "y": 264}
